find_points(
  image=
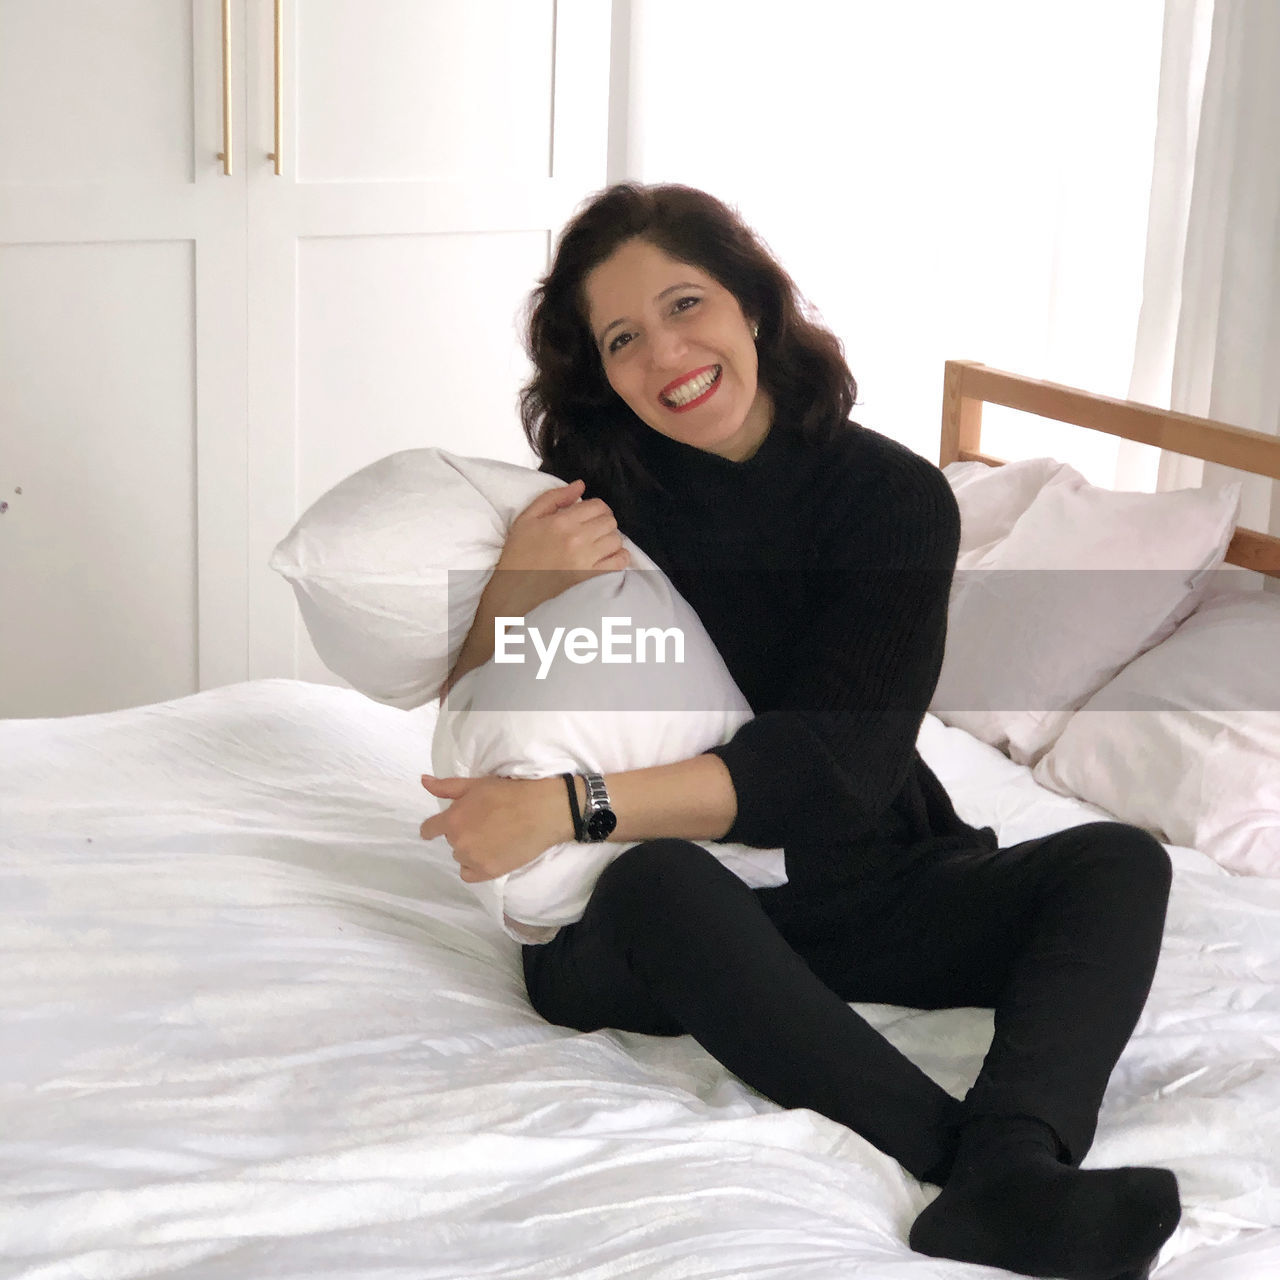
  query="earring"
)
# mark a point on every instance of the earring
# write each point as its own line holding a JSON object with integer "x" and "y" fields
{"x": 755, "y": 330}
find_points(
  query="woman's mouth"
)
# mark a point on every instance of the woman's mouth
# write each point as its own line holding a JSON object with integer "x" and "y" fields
{"x": 692, "y": 391}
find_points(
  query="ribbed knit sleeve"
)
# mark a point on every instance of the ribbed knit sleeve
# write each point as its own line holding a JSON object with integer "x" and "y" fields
{"x": 828, "y": 759}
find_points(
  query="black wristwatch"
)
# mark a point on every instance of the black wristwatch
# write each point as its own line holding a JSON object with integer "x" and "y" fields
{"x": 598, "y": 820}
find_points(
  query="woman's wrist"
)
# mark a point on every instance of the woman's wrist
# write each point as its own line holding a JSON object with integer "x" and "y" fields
{"x": 690, "y": 799}
{"x": 693, "y": 799}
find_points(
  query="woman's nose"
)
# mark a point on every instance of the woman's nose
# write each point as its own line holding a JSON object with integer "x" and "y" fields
{"x": 669, "y": 347}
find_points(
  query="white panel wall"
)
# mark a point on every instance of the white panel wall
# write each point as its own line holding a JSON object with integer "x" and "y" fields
{"x": 409, "y": 340}
{"x": 475, "y": 101}
{"x": 91, "y": 92}
{"x": 189, "y": 357}
{"x": 97, "y": 554}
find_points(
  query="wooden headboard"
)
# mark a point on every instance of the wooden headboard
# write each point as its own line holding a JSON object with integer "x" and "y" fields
{"x": 968, "y": 386}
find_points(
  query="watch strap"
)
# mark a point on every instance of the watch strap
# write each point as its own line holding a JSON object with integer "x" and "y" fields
{"x": 579, "y": 831}
{"x": 597, "y": 793}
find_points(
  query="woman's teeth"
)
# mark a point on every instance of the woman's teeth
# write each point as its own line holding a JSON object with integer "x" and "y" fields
{"x": 692, "y": 389}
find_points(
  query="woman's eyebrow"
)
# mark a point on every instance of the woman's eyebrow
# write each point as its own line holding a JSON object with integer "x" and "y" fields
{"x": 684, "y": 284}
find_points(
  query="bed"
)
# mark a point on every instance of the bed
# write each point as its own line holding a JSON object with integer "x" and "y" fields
{"x": 254, "y": 1026}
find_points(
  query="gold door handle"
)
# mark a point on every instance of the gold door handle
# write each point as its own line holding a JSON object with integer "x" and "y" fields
{"x": 225, "y": 154}
{"x": 275, "y": 155}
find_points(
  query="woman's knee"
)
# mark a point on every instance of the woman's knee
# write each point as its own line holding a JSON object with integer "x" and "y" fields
{"x": 645, "y": 904}
{"x": 1140, "y": 852}
{"x": 1120, "y": 853}
{"x": 653, "y": 864}
{"x": 659, "y": 877}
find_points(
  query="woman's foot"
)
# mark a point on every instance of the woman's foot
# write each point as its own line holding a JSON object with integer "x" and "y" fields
{"x": 1012, "y": 1203}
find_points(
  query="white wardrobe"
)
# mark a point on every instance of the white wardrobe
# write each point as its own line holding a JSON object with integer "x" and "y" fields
{"x": 192, "y": 349}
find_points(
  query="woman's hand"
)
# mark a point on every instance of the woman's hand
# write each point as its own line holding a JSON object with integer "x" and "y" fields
{"x": 556, "y": 542}
{"x": 495, "y": 824}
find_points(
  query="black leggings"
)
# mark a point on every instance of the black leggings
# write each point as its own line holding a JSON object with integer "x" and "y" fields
{"x": 1059, "y": 935}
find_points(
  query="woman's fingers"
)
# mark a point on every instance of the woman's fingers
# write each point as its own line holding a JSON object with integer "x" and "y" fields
{"x": 553, "y": 499}
{"x": 609, "y": 546}
{"x": 562, "y": 541}
{"x": 601, "y": 518}
{"x": 442, "y": 789}
{"x": 618, "y": 560}
{"x": 584, "y": 514}
{"x": 599, "y": 532}
{"x": 446, "y": 788}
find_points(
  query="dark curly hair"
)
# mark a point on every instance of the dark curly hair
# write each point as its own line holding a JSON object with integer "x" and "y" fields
{"x": 574, "y": 420}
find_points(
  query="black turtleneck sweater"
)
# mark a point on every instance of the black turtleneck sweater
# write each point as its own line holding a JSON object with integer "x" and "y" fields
{"x": 822, "y": 573}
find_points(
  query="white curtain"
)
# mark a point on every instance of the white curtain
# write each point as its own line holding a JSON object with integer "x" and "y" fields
{"x": 1085, "y": 191}
{"x": 1209, "y": 328}
{"x": 942, "y": 180}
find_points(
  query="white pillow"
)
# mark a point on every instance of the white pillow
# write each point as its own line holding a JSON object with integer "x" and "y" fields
{"x": 501, "y": 718}
{"x": 1185, "y": 741}
{"x": 1043, "y": 620}
{"x": 388, "y": 568}
{"x": 370, "y": 564}
{"x": 992, "y": 499}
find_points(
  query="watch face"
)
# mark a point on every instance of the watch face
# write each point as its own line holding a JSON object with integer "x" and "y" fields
{"x": 600, "y": 824}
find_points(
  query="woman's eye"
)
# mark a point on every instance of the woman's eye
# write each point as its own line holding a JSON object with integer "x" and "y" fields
{"x": 623, "y": 338}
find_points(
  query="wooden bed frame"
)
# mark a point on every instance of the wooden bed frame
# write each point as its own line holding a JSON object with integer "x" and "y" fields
{"x": 969, "y": 385}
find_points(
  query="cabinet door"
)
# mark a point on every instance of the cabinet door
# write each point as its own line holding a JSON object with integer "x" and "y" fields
{"x": 122, "y": 354}
{"x": 430, "y": 152}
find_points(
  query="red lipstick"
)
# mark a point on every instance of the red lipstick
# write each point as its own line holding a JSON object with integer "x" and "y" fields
{"x": 683, "y": 378}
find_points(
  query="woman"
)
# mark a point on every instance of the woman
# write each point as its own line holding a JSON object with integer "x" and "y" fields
{"x": 678, "y": 378}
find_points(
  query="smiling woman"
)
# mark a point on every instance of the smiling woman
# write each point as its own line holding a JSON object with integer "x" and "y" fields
{"x": 683, "y": 357}
{"x": 654, "y": 288}
{"x": 677, "y": 374}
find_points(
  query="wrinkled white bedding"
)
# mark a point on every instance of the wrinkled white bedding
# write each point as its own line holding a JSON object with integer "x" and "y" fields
{"x": 254, "y": 1026}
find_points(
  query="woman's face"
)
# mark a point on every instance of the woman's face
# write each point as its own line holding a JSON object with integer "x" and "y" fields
{"x": 676, "y": 347}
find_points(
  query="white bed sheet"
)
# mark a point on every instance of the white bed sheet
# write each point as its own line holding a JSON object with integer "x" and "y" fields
{"x": 254, "y": 1026}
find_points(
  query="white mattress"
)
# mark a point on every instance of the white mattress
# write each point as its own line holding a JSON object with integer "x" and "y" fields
{"x": 254, "y": 1026}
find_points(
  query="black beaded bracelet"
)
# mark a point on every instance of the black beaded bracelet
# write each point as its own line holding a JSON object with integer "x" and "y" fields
{"x": 579, "y": 832}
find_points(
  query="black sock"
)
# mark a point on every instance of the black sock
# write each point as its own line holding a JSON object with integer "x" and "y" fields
{"x": 1011, "y": 1202}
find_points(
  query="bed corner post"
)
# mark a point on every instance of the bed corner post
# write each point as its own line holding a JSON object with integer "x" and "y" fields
{"x": 961, "y": 415}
